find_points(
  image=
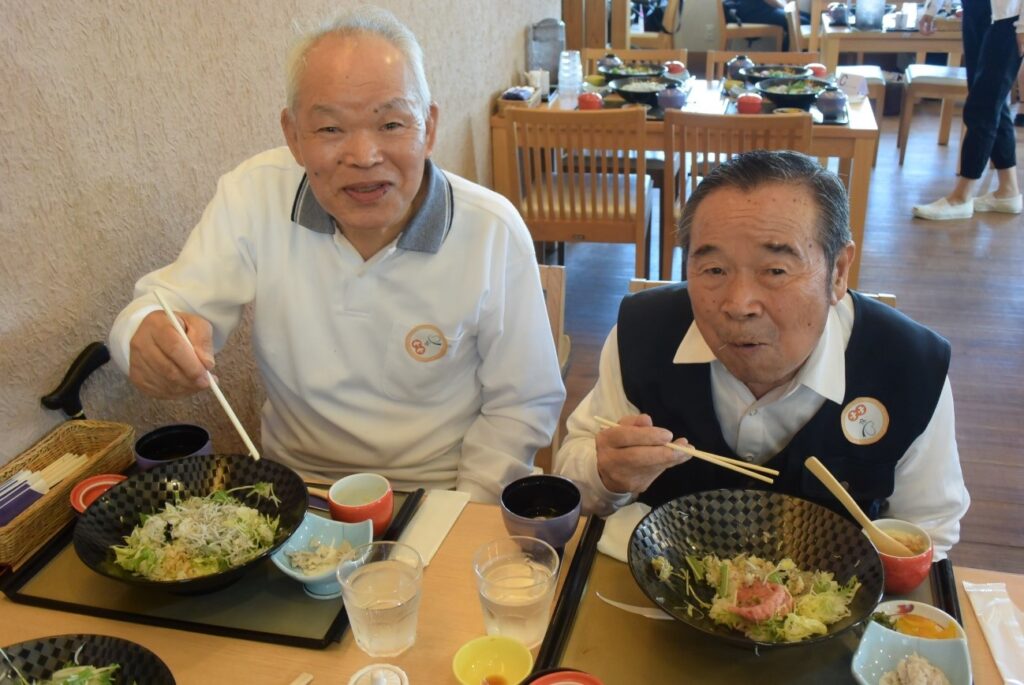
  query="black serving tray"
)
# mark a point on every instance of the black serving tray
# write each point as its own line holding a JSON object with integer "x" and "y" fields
{"x": 264, "y": 605}
{"x": 578, "y": 638}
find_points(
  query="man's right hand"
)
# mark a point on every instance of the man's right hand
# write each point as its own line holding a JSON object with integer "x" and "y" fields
{"x": 631, "y": 455}
{"x": 162, "y": 364}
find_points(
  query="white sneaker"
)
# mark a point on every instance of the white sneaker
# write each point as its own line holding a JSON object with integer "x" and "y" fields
{"x": 941, "y": 210}
{"x": 991, "y": 203}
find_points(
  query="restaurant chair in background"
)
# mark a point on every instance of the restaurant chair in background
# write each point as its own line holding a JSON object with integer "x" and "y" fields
{"x": 948, "y": 84}
{"x": 730, "y": 30}
{"x": 715, "y": 70}
{"x": 574, "y": 179}
{"x": 798, "y": 33}
{"x": 671, "y": 23}
{"x": 552, "y": 281}
{"x": 590, "y": 56}
{"x": 703, "y": 141}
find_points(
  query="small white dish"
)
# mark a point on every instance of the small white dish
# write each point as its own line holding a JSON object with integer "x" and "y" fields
{"x": 882, "y": 649}
{"x": 323, "y": 585}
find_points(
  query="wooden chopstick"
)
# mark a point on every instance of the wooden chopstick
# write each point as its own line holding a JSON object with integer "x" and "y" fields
{"x": 749, "y": 470}
{"x": 213, "y": 382}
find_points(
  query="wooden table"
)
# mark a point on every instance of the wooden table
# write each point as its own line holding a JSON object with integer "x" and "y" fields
{"x": 836, "y": 39}
{"x": 983, "y": 666}
{"x": 450, "y": 615}
{"x": 852, "y": 144}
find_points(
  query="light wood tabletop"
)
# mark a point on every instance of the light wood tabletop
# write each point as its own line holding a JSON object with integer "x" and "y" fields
{"x": 836, "y": 39}
{"x": 450, "y": 615}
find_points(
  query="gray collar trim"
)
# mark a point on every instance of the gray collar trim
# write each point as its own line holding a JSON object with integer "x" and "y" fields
{"x": 426, "y": 230}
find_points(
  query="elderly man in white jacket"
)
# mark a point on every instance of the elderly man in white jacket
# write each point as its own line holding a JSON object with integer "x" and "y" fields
{"x": 399, "y": 323}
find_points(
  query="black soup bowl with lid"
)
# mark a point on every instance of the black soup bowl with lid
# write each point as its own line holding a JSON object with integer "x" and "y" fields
{"x": 542, "y": 506}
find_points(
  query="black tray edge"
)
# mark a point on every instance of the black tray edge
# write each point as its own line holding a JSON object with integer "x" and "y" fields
{"x": 943, "y": 583}
{"x": 12, "y": 583}
{"x": 568, "y": 603}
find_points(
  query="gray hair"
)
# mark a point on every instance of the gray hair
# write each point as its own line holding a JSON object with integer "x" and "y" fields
{"x": 362, "y": 20}
{"x": 752, "y": 169}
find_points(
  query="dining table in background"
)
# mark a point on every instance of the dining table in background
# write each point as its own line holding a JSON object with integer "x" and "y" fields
{"x": 853, "y": 144}
{"x": 835, "y": 39}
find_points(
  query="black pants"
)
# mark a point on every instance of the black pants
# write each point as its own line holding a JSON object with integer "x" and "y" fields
{"x": 992, "y": 61}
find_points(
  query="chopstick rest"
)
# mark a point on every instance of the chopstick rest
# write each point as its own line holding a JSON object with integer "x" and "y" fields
{"x": 754, "y": 471}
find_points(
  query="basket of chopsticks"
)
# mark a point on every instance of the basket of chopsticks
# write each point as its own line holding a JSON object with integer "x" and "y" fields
{"x": 35, "y": 485}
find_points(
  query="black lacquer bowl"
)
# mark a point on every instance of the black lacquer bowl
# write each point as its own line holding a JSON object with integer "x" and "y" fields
{"x": 113, "y": 516}
{"x": 760, "y": 523}
{"x": 38, "y": 659}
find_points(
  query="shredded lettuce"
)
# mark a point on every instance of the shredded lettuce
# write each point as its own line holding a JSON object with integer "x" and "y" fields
{"x": 815, "y": 599}
{"x": 199, "y": 536}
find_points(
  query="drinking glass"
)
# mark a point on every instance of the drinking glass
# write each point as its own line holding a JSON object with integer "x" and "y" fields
{"x": 381, "y": 584}
{"x": 516, "y": 578}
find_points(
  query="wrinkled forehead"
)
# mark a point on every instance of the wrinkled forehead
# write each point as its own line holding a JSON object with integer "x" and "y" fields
{"x": 781, "y": 209}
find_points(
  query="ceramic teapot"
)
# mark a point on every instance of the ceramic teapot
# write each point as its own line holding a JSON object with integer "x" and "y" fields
{"x": 671, "y": 97}
{"x": 831, "y": 102}
{"x": 733, "y": 66}
{"x": 839, "y": 13}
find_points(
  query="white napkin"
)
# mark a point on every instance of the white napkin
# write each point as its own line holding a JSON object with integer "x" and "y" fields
{"x": 618, "y": 528}
{"x": 436, "y": 515}
{"x": 1001, "y": 622}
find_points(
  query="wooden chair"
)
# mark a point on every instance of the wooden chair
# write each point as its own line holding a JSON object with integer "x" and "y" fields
{"x": 703, "y": 141}
{"x": 552, "y": 281}
{"x": 671, "y": 22}
{"x": 590, "y": 56}
{"x": 638, "y": 284}
{"x": 796, "y": 29}
{"x": 734, "y": 31}
{"x": 717, "y": 58}
{"x": 576, "y": 181}
{"x": 948, "y": 84}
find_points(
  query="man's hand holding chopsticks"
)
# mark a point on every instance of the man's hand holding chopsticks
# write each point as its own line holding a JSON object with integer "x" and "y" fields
{"x": 631, "y": 455}
{"x": 163, "y": 365}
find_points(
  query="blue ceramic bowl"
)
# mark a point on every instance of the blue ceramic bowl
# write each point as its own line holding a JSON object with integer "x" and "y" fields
{"x": 882, "y": 649}
{"x": 542, "y": 506}
{"x": 323, "y": 585}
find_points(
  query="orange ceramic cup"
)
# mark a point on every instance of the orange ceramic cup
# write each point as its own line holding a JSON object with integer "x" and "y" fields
{"x": 362, "y": 497}
{"x": 903, "y": 574}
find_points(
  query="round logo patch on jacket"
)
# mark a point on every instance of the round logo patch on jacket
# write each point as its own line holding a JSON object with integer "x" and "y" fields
{"x": 425, "y": 343}
{"x": 865, "y": 421}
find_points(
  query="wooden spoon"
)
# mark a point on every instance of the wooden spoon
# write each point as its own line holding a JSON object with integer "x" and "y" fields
{"x": 885, "y": 543}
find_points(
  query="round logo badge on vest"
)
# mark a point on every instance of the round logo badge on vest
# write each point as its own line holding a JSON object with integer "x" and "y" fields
{"x": 426, "y": 342}
{"x": 865, "y": 421}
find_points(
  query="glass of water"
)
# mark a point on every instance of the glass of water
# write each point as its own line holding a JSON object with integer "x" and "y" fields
{"x": 516, "y": 578}
{"x": 381, "y": 583}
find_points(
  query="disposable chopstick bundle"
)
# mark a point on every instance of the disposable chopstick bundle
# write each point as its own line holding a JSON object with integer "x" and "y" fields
{"x": 742, "y": 467}
{"x": 20, "y": 491}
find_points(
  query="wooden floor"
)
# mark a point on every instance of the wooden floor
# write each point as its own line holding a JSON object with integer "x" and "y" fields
{"x": 964, "y": 279}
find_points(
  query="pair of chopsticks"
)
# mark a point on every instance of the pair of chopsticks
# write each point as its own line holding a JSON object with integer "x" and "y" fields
{"x": 213, "y": 382}
{"x": 751, "y": 470}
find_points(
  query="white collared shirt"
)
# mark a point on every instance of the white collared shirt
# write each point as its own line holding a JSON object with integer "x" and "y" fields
{"x": 929, "y": 487}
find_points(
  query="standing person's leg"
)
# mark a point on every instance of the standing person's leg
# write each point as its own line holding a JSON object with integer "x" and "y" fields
{"x": 1001, "y": 64}
{"x": 1019, "y": 119}
{"x": 977, "y": 19}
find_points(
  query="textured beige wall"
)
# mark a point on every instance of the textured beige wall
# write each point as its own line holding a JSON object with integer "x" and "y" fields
{"x": 117, "y": 119}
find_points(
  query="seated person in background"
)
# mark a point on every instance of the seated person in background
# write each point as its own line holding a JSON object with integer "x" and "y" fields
{"x": 764, "y": 355}
{"x": 397, "y": 307}
{"x": 760, "y": 12}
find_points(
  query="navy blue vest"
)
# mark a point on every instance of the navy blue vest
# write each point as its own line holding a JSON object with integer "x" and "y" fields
{"x": 889, "y": 357}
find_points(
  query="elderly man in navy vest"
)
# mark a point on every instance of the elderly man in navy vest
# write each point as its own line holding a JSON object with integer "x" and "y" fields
{"x": 763, "y": 354}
